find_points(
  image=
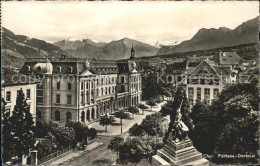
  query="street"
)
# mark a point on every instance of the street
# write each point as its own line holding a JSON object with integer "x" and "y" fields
{"x": 102, "y": 153}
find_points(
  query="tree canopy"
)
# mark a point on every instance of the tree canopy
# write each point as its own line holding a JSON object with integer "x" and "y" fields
{"x": 229, "y": 125}
{"x": 106, "y": 120}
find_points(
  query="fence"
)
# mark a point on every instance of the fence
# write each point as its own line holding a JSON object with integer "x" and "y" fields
{"x": 53, "y": 155}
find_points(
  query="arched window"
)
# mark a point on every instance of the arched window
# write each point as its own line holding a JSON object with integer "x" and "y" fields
{"x": 39, "y": 68}
{"x": 68, "y": 116}
{"x": 57, "y": 116}
{"x": 58, "y": 68}
{"x": 109, "y": 91}
{"x": 203, "y": 71}
{"x": 28, "y": 68}
{"x": 70, "y": 69}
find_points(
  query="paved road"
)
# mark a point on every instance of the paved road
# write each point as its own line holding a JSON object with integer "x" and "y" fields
{"x": 103, "y": 152}
{"x": 99, "y": 153}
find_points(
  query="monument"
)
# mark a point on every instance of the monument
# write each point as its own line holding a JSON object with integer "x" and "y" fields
{"x": 178, "y": 149}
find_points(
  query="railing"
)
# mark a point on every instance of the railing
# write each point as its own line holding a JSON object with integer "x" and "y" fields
{"x": 55, "y": 154}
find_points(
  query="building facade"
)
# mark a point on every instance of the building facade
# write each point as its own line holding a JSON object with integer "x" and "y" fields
{"x": 12, "y": 83}
{"x": 83, "y": 90}
{"x": 206, "y": 81}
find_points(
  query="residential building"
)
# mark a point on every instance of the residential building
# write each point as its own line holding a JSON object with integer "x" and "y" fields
{"x": 205, "y": 82}
{"x": 12, "y": 83}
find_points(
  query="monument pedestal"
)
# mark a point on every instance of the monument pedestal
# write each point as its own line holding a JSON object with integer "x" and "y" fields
{"x": 179, "y": 153}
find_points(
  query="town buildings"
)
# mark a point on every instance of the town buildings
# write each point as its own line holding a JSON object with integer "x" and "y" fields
{"x": 205, "y": 81}
{"x": 12, "y": 83}
{"x": 83, "y": 89}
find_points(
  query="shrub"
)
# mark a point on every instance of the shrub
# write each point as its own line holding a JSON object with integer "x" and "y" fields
{"x": 92, "y": 133}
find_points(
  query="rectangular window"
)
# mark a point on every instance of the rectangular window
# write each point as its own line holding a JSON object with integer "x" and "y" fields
{"x": 82, "y": 98}
{"x": 207, "y": 94}
{"x": 190, "y": 93}
{"x": 39, "y": 94}
{"x": 58, "y": 85}
{"x": 69, "y": 99}
{"x": 198, "y": 93}
{"x": 87, "y": 85}
{"x": 69, "y": 86}
{"x": 87, "y": 96}
{"x": 82, "y": 85}
{"x": 122, "y": 79}
{"x": 122, "y": 88}
{"x": 92, "y": 96}
{"x": 8, "y": 96}
{"x": 216, "y": 92}
{"x": 28, "y": 93}
{"x": 58, "y": 99}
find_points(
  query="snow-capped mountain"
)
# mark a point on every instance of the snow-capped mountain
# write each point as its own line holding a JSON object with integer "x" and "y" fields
{"x": 72, "y": 40}
{"x": 74, "y": 43}
{"x": 160, "y": 44}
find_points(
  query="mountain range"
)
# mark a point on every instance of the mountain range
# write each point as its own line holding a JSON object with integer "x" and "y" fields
{"x": 206, "y": 39}
{"x": 16, "y": 48}
{"x": 119, "y": 49}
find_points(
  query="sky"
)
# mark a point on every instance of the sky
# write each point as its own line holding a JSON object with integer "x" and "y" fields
{"x": 148, "y": 22}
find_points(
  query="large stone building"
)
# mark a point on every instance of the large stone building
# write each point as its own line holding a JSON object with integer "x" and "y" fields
{"x": 82, "y": 90}
{"x": 13, "y": 82}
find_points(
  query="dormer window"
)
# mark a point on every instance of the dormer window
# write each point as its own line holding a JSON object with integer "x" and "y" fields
{"x": 70, "y": 69}
{"x": 59, "y": 69}
{"x": 28, "y": 68}
{"x": 39, "y": 68}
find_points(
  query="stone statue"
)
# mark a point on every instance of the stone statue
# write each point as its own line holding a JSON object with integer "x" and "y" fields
{"x": 180, "y": 130}
{"x": 134, "y": 65}
{"x": 87, "y": 63}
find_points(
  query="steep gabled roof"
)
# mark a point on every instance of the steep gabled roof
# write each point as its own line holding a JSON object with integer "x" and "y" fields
{"x": 220, "y": 71}
{"x": 227, "y": 58}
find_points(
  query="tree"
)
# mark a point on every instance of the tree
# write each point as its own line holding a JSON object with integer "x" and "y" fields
{"x": 106, "y": 120}
{"x": 92, "y": 133}
{"x": 7, "y": 138}
{"x": 22, "y": 126}
{"x": 121, "y": 114}
{"x": 197, "y": 110}
{"x": 133, "y": 110}
{"x": 229, "y": 125}
{"x": 134, "y": 149}
{"x": 81, "y": 131}
{"x": 151, "y": 103}
{"x": 151, "y": 124}
{"x": 142, "y": 106}
{"x": 65, "y": 136}
{"x": 167, "y": 108}
{"x": 114, "y": 144}
{"x": 42, "y": 129}
{"x": 136, "y": 130}
{"x": 44, "y": 148}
